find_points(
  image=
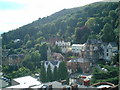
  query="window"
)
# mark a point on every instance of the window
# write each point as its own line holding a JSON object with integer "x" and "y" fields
{"x": 107, "y": 54}
{"x": 107, "y": 50}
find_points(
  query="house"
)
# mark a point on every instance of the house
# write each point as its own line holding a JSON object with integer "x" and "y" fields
{"x": 63, "y": 45}
{"x": 52, "y": 64}
{"x": 110, "y": 50}
{"x": 53, "y": 39}
{"x": 80, "y": 63}
{"x": 96, "y": 50}
{"x": 14, "y": 59}
{"x": 93, "y": 50}
{"x": 57, "y": 56}
{"x": 17, "y": 40}
{"x": 78, "y": 49}
{"x": 54, "y": 56}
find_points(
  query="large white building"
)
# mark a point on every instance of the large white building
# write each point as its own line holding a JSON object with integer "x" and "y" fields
{"x": 78, "y": 48}
{"x": 63, "y": 45}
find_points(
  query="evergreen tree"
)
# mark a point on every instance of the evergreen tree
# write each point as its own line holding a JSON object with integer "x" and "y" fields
{"x": 43, "y": 51}
{"x": 62, "y": 71}
{"x": 55, "y": 74}
{"x": 43, "y": 73}
{"x": 49, "y": 74}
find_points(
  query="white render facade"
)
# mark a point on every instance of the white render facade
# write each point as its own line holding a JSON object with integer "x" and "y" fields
{"x": 63, "y": 45}
{"x": 78, "y": 48}
{"x": 52, "y": 64}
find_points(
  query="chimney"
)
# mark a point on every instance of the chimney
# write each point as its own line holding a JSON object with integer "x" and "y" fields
{"x": 50, "y": 87}
{"x": 74, "y": 87}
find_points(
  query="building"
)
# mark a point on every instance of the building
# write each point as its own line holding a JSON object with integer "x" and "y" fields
{"x": 93, "y": 50}
{"x": 54, "y": 56}
{"x": 96, "y": 50}
{"x": 63, "y": 45}
{"x": 78, "y": 49}
{"x": 110, "y": 50}
{"x": 80, "y": 63}
{"x": 52, "y": 63}
{"x": 23, "y": 82}
{"x": 53, "y": 39}
{"x": 17, "y": 40}
{"x": 14, "y": 59}
{"x": 57, "y": 56}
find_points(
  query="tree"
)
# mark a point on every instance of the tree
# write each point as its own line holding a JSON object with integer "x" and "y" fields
{"x": 55, "y": 74}
{"x": 108, "y": 34}
{"x": 90, "y": 22}
{"x": 43, "y": 76}
{"x": 29, "y": 44}
{"x": 37, "y": 46}
{"x": 56, "y": 49}
{"x": 49, "y": 74}
{"x": 111, "y": 75}
{"x": 81, "y": 33}
{"x": 39, "y": 40}
{"x": 21, "y": 72}
{"x": 36, "y": 57}
{"x": 115, "y": 59}
{"x": 26, "y": 38}
{"x": 43, "y": 51}
{"x": 27, "y": 62}
{"x": 62, "y": 71}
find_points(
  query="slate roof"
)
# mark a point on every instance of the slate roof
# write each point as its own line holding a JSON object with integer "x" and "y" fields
{"x": 93, "y": 41}
{"x": 53, "y": 62}
{"x": 113, "y": 44}
{"x": 56, "y": 84}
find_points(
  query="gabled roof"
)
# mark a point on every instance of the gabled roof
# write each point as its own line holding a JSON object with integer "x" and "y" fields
{"x": 113, "y": 44}
{"x": 93, "y": 41}
{"x": 53, "y": 62}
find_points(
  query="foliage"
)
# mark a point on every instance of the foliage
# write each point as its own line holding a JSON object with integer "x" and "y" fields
{"x": 111, "y": 75}
{"x": 55, "y": 74}
{"x": 43, "y": 74}
{"x": 115, "y": 59}
{"x": 21, "y": 72}
{"x": 67, "y": 23}
{"x": 98, "y": 20}
{"x": 62, "y": 71}
{"x": 43, "y": 51}
{"x": 49, "y": 74}
{"x": 108, "y": 33}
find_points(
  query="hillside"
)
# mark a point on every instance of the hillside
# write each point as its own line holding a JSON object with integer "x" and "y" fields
{"x": 76, "y": 24}
{"x": 25, "y": 47}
